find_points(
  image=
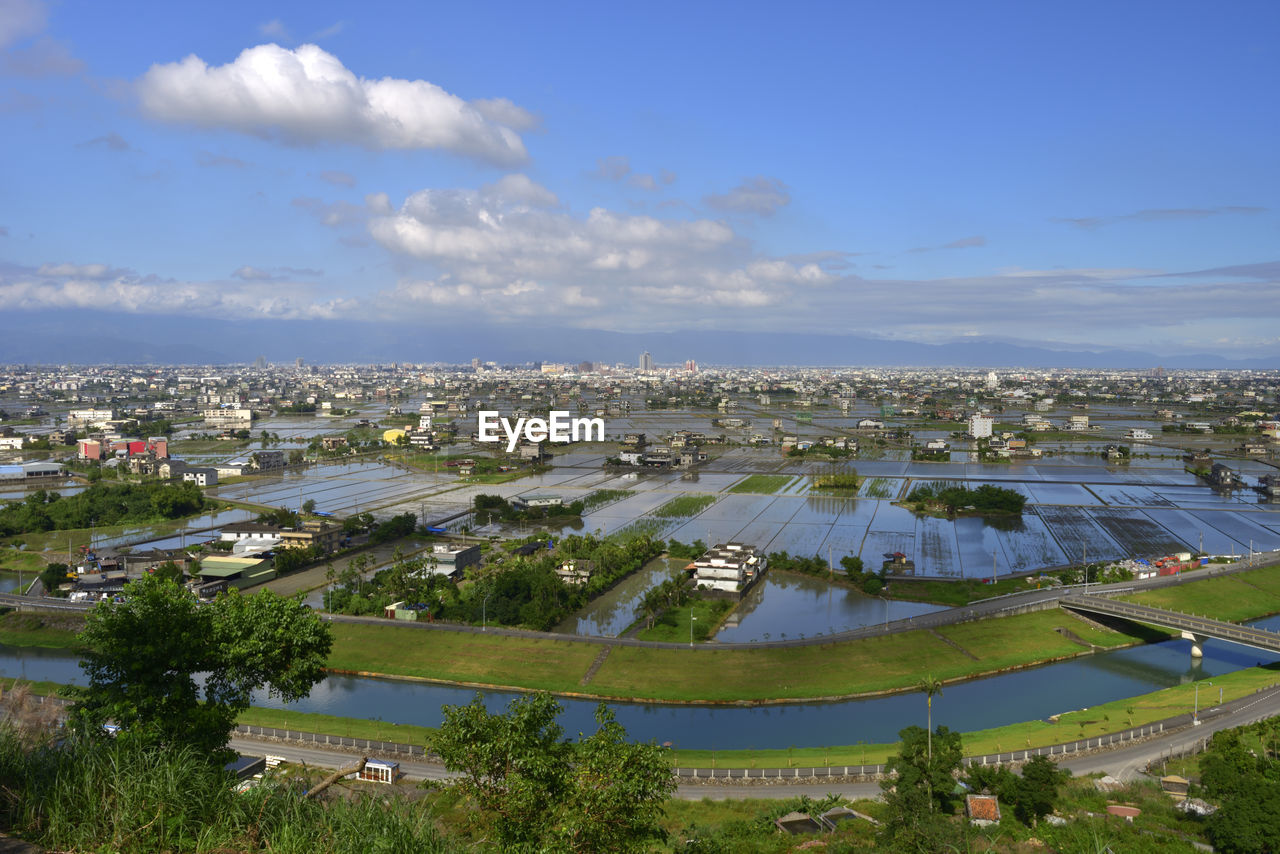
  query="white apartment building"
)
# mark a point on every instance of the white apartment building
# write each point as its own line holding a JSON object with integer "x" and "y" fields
{"x": 980, "y": 426}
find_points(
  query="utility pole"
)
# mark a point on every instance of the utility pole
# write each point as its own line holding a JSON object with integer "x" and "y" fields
{"x": 993, "y": 566}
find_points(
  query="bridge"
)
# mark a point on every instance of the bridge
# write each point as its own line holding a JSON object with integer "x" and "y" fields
{"x": 1193, "y": 628}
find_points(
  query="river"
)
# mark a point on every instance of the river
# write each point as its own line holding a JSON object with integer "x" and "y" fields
{"x": 1035, "y": 693}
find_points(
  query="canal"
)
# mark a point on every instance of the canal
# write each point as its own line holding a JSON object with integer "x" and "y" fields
{"x": 1031, "y": 694}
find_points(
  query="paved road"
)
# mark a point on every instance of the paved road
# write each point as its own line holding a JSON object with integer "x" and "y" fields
{"x": 1125, "y": 763}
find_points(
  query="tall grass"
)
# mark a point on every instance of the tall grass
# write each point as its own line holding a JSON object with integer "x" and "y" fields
{"x": 103, "y": 794}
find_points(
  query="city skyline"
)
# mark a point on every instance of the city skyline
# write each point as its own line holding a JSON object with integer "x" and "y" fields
{"x": 1059, "y": 177}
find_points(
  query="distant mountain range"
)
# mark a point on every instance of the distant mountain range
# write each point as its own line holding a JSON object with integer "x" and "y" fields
{"x": 83, "y": 337}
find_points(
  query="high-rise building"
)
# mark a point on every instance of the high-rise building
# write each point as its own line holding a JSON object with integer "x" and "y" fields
{"x": 691, "y": 366}
{"x": 646, "y": 361}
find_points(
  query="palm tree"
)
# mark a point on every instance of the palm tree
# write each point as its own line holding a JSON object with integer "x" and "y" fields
{"x": 930, "y": 686}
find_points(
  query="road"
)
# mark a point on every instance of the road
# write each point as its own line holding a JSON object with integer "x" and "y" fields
{"x": 1124, "y": 763}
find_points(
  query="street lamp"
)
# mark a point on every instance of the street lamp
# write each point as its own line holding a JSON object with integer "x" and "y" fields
{"x": 1195, "y": 711}
{"x": 692, "y": 620}
{"x": 484, "y": 612}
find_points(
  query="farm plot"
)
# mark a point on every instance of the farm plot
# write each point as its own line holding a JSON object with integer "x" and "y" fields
{"x": 1198, "y": 498}
{"x": 1062, "y": 493}
{"x": 879, "y": 543}
{"x": 1028, "y": 544}
{"x": 743, "y": 508}
{"x": 880, "y": 487}
{"x": 936, "y": 550}
{"x": 845, "y": 539}
{"x": 1241, "y": 528}
{"x": 801, "y": 540}
{"x": 781, "y": 509}
{"x": 1136, "y": 533}
{"x": 1190, "y": 529}
{"x": 710, "y": 531}
{"x": 975, "y": 543}
{"x": 1079, "y": 534}
{"x": 1128, "y": 495}
{"x": 762, "y": 484}
{"x": 891, "y": 518}
{"x": 820, "y": 510}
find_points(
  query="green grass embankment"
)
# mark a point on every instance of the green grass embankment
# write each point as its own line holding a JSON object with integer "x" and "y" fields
{"x": 707, "y": 674}
{"x": 1234, "y": 598}
{"x": 1101, "y": 720}
{"x": 57, "y": 631}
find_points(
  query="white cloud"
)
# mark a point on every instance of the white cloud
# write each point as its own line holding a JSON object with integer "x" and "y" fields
{"x": 760, "y": 195}
{"x": 45, "y": 57}
{"x": 20, "y": 19}
{"x": 519, "y": 188}
{"x": 100, "y": 287}
{"x": 613, "y": 168}
{"x": 504, "y": 112}
{"x": 306, "y": 96}
{"x": 80, "y": 271}
{"x": 492, "y": 252}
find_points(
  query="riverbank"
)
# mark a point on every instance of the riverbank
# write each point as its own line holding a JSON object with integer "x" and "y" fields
{"x": 864, "y": 667}
{"x": 706, "y": 675}
{"x": 1098, "y": 721}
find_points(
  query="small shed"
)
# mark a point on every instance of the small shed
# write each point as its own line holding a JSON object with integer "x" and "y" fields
{"x": 982, "y": 810}
{"x": 1175, "y": 786}
{"x": 798, "y": 822}
{"x": 380, "y": 771}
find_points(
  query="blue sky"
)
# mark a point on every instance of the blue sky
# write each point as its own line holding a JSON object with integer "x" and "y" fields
{"x": 1071, "y": 174}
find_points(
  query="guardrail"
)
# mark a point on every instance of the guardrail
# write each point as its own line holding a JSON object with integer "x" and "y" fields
{"x": 1209, "y": 627}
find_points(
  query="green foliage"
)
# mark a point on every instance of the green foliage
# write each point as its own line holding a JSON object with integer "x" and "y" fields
{"x": 919, "y": 785}
{"x": 394, "y": 528}
{"x": 677, "y": 549}
{"x": 838, "y": 481}
{"x": 100, "y": 504}
{"x": 168, "y": 571}
{"x": 983, "y": 499}
{"x": 1036, "y": 794}
{"x": 684, "y": 506}
{"x": 288, "y": 560}
{"x": 282, "y": 516}
{"x": 493, "y": 507}
{"x": 1241, "y": 769}
{"x": 601, "y": 497}
{"x": 142, "y": 655}
{"x": 543, "y": 793}
{"x": 94, "y": 794}
{"x": 53, "y": 575}
{"x": 671, "y": 593}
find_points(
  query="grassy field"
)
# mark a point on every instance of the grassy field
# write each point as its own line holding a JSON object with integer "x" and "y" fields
{"x": 952, "y": 593}
{"x": 12, "y": 560}
{"x": 47, "y": 630}
{"x": 673, "y": 626}
{"x": 762, "y": 484}
{"x": 684, "y": 506}
{"x": 891, "y": 662}
{"x": 1244, "y": 596}
{"x": 462, "y": 657}
{"x": 886, "y": 663}
{"x": 331, "y": 725}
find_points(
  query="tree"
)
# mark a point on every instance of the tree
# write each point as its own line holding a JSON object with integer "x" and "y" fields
{"x": 602, "y": 793}
{"x": 918, "y": 790}
{"x": 930, "y": 686}
{"x": 142, "y": 656}
{"x": 168, "y": 571}
{"x": 1036, "y": 794}
{"x": 309, "y": 506}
